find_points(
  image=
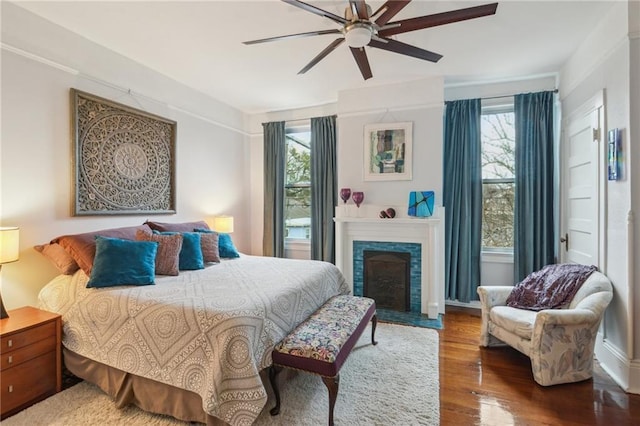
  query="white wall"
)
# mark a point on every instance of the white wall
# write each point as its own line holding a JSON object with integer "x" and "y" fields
{"x": 40, "y": 63}
{"x": 608, "y": 59}
{"x": 419, "y": 102}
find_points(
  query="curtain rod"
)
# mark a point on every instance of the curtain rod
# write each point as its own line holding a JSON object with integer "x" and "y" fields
{"x": 509, "y": 96}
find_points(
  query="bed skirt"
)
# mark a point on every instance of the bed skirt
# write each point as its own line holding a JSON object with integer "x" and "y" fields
{"x": 147, "y": 394}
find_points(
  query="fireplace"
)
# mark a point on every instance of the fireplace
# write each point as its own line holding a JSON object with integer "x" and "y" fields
{"x": 423, "y": 238}
{"x": 387, "y": 279}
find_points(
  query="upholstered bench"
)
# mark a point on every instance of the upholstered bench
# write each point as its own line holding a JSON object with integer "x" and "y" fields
{"x": 322, "y": 343}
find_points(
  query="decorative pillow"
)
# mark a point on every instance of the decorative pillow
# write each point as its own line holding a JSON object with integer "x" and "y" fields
{"x": 552, "y": 287}
{"x": 226, "y": 248}
{"x": 82, "y": 247}
{"x": 209, "y": 244}
{"x": 123, "y": 262}
{"x": 177, "y": 227}
{"x": 190, "y": 257}
{"x": 59, "y": 257}
{"x": 167, "y": 258}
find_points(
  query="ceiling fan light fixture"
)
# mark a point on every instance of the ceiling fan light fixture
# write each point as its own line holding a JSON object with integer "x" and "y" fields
{"x": 358, "y": 34}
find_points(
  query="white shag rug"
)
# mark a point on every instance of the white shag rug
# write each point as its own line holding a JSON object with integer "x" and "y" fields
{"x": 395, "y": 382}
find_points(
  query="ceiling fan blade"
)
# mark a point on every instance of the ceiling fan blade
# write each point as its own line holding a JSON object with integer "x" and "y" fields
{"x": 363, "y": 62}
{"x": 316, "y": 10}
{"x": 359, "y": 9}
{"x": 434, "y": 20}
{"x": 311, "y": 33}
{"x": 405, "y": 49}
{"x": 321, "y": 55}
{"x": 389, "y": 10}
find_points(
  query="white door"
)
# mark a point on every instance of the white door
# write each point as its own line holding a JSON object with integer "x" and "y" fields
{"x": 581, "y": 184}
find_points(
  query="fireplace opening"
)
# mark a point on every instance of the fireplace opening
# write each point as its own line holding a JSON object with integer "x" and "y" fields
{"x": 387, "y": 279}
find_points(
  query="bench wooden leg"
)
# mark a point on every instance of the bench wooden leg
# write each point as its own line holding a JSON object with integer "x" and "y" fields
{"x": 374, "y": 323}
{"x": 273, "y": 372}
{"x": 332, "y": 384}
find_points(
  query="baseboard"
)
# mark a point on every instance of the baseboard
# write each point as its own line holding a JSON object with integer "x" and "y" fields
{"x": 475, "y": 304}
{"x": 625, "y": 372}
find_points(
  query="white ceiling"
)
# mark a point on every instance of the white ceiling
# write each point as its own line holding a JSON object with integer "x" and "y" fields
{"x": 200, "y": 44}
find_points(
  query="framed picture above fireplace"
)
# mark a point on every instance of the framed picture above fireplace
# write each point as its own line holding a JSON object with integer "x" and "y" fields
{"x": 387, "y": 151}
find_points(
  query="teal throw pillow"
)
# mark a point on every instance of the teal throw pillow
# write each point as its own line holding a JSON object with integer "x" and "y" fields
{"x": 123, "y": 262}
{"x": 190, "y": 257}
{"x": 226, "y": 247}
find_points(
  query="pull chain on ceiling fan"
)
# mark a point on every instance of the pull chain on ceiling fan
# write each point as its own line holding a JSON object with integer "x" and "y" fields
{"x": 361, "y": 28}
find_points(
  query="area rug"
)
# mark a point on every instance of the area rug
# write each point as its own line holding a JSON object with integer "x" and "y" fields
{"x": 393, "y": 383}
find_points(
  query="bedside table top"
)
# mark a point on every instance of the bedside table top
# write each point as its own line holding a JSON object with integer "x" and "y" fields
{"x": 25, "y": 317}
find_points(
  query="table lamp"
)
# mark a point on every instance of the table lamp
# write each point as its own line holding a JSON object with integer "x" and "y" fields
{"x": 9, "y": 249}
{"x": 223, "y": 224}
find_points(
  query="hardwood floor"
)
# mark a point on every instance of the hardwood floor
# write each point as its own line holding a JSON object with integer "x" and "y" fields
{"x": 495, "y": 386}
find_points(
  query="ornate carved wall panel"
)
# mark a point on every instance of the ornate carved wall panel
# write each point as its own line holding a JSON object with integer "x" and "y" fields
{"x": 124, "y": 158}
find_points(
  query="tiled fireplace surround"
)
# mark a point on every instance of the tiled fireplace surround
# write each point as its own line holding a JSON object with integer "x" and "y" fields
{"x": 423, "y": 238}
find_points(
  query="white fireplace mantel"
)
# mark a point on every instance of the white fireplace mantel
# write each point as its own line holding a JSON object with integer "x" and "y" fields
{"x": 428, "y": 232}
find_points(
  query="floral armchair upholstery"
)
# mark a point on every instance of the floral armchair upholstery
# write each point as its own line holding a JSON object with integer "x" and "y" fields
{"x": 559, "y": 342}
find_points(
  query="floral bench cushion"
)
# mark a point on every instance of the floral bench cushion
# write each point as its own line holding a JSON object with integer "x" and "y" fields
{"x": 322, "y": 343}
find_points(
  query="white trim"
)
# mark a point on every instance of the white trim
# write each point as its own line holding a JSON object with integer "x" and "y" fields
{"x": 630, "y": 285}
{"x": 474, "y": 304}
{"x": 40, "y": 59}
{"x": 614, "y": 362}
{"x": 387, "y": 110}
{"x": 496, "y": 257}
{"x": 501, "y": 80}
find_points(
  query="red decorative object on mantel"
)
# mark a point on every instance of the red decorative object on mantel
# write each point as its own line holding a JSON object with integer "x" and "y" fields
{"x": 357, "y": 197}
{"x": 387, "y": 214}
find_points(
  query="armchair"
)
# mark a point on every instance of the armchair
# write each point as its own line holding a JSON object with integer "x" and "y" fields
{"x": 559, "y": 342}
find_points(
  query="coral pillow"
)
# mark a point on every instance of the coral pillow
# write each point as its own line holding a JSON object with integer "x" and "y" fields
{"x": 209, "y": 244}
{"x": 190, "y": 257}
{"x": 59, "y": 257}
{"x": 82, "y": 247}
{"x": 168, "y": 256}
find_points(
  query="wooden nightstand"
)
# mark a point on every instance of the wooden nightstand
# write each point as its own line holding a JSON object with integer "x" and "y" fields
{"x": 31, "y": 358}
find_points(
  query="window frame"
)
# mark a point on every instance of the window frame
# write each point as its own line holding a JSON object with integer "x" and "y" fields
{"x": 289, "y": 130}
{"x": 492, "y": 107}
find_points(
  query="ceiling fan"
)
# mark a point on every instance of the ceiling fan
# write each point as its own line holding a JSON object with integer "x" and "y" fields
{"x": 362, "y": 28}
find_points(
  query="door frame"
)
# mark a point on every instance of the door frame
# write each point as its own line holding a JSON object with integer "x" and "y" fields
{"x": 594, "y": 106}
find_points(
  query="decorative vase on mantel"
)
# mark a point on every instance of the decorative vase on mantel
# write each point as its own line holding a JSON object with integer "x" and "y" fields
{"x": 358, "y": 198}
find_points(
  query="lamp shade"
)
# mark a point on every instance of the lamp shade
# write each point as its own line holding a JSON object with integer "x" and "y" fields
{"x": 9, "y": 244}
{"x": 223, "y": 224}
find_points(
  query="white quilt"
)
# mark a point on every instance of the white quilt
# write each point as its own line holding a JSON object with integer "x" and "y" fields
{"x": 209, "y": 331}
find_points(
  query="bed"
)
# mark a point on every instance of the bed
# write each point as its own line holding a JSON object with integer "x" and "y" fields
{"x": 192, "y": 345}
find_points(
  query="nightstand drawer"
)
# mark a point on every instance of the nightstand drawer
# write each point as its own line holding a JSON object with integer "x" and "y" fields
{"x": 28, "y": 382}
{"x": 27, "y": 337}
{"x": 16, "y": 357}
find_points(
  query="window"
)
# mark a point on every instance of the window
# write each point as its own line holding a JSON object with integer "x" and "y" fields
{"x": 498, "y": 177}
{"x": 297, "y": 214}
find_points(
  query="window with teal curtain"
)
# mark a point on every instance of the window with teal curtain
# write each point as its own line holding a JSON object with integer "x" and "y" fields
{"x": 462, "y": 199}
{"x": 324, "y": 191}
{"x": 274, "y": 172}
{"x": 534, "y": 239}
